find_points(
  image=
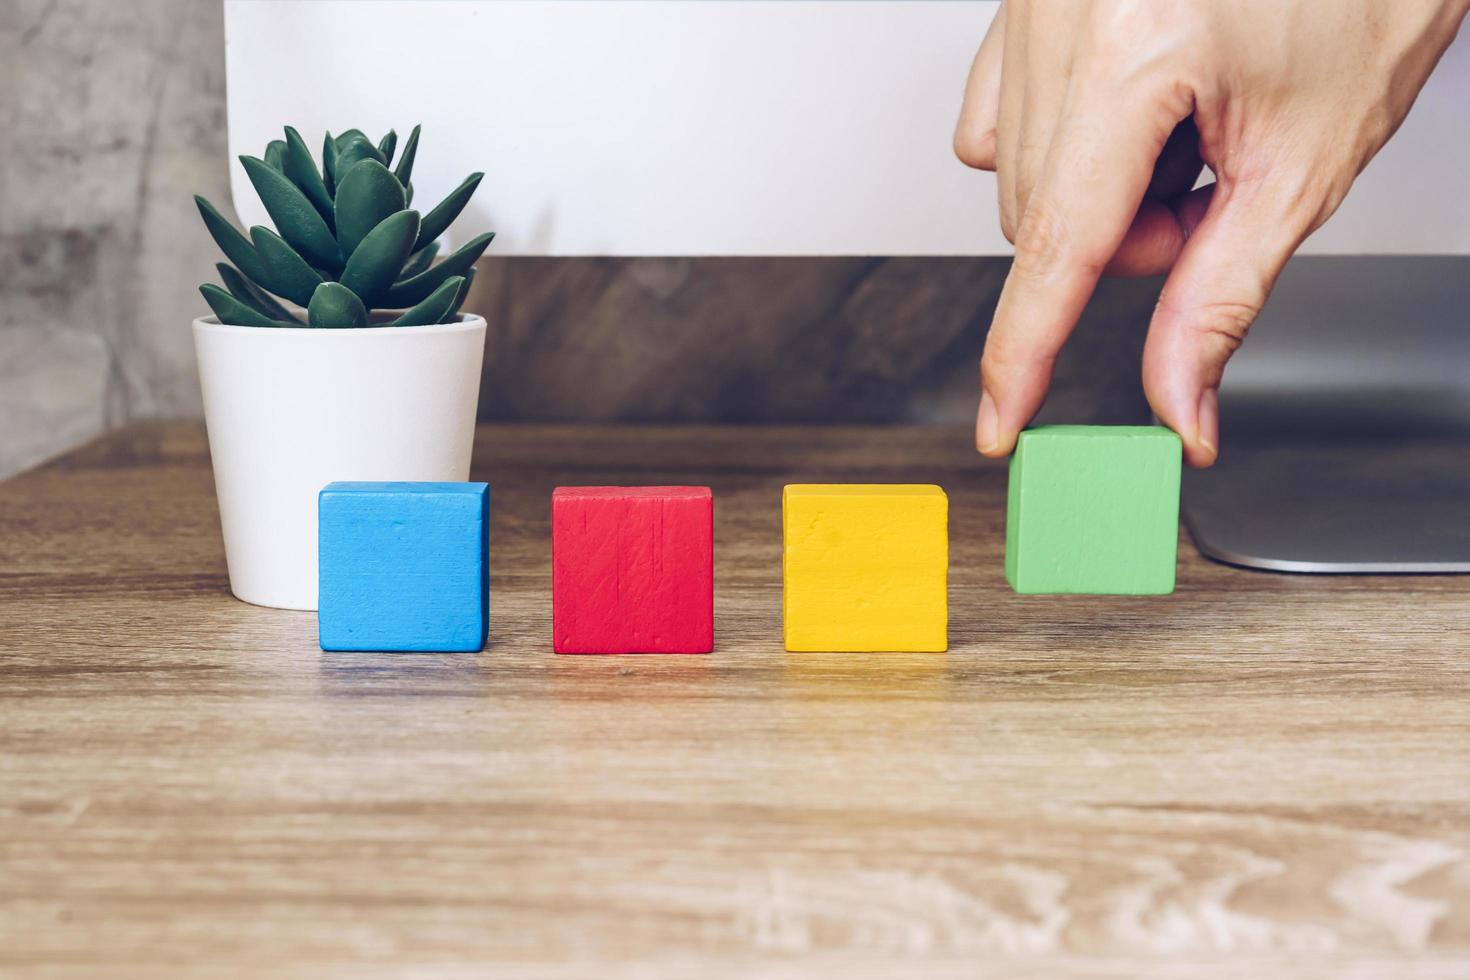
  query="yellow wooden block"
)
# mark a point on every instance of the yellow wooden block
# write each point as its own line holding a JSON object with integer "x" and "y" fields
{"x": 865, "y": 567}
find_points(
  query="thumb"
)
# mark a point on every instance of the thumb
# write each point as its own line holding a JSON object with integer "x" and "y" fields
{"x": 1217, "y": 287}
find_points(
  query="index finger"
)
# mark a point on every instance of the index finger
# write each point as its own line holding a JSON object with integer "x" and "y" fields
{"x": 1097, "y": 169}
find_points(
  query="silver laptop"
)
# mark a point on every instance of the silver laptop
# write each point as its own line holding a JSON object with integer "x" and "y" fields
{"x": 1345, "y": 424}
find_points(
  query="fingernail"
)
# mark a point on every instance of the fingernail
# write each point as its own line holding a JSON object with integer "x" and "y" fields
{"x": 1207, "y": 422}
{"x": 987, "y": 426}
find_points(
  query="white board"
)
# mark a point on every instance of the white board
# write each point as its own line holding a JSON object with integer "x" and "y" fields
{"x": 715, "y": 127}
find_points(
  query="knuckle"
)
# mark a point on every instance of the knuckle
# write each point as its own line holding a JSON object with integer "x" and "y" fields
{"x": 1146, "y": 52}
{"x": 1044, "y": 245}
{"x": 1225, "y": 323}
{"x": 1038, "y": 242}
{"x": 1298, "y": 199}
{"x": 975, "y": 149}
{"x": 1114, "y": 29}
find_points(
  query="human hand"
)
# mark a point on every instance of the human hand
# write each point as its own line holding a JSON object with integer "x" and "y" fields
{"x": 1097, "y": 117}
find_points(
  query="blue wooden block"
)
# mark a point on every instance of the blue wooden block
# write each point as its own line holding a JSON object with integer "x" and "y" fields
{"x": 404, "y": 566}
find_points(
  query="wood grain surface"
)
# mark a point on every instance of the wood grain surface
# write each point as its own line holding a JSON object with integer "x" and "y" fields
{"x": 1259, "y": 775}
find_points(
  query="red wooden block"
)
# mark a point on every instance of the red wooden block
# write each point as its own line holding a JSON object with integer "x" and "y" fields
{"x": 632, "y": 570}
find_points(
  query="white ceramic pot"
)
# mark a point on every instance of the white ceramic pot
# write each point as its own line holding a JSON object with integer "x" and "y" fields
{"x": 289, "y": 410}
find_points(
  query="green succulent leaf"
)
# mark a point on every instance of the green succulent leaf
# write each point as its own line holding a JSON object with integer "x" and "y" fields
{"x": 233, "y": 312}
{"x": 295, "y": 217}
{"x": 334, "y": 305}
{"x": 366, "y": 195}
{"x": 298, "y": 165}
{"x": 275, "y": 150}
{"x": 252, "y": 295}
{"x": 408, "y": 292}
{"x": 447, "y": 210}
{"x": 352, "y": 151}
{"x": 434, "y": 307}
{"x": 464, "y": 292}
{"x": 404, "y": 170}
{"x": 289, "y": 275}
{"x": 237, "y": 247}
{"x": 380, "y": 256}
{"x": 329, "y": 164}
{"x": 419, "y": 261}
{"x": 345, "y": 239}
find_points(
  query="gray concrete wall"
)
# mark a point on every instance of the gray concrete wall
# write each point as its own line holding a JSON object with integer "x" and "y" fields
{"x": 114, "y": 115}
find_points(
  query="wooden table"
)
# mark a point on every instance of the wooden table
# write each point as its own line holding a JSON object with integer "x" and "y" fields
{"x": 1260, "y": 774}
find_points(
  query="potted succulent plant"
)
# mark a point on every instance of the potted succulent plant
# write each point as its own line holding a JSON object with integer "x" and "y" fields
{"x": 337, "y": 350}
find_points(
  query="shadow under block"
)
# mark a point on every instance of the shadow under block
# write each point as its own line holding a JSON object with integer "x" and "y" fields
{"x": 632, "y": 570}
{"x": 865, "y": 567}
{"x": 1093, "y": 509}
{"x": 404, "y": 566}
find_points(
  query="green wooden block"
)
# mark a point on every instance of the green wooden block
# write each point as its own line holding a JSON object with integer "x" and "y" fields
{"x": 1093, "y": 509}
